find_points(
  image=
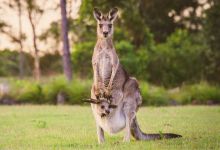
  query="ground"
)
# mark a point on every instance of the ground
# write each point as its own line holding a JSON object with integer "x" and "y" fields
{"x": 73, "y": 127}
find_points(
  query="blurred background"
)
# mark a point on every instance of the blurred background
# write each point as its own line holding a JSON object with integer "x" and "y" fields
{"x": 172, "y": 47}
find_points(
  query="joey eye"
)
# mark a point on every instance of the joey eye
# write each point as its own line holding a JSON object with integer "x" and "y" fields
{"x": 110, "y": 25}
{"x": 100, "y": 25}
{"x": 102, "y": 106}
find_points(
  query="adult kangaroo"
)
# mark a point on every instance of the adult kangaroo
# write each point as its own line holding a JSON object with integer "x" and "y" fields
{"x": 115, "y": 97}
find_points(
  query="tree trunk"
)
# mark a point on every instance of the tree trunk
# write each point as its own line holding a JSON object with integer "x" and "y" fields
{"x": 21, "y": 54}
{"x": 37, "y": 71}
{"x": 66, "y": 50}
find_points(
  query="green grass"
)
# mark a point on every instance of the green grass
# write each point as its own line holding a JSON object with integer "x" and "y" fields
{"x": 73, "y": 127}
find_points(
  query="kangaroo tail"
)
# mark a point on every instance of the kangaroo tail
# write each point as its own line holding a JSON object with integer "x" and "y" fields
{"x": 139, "y": 135}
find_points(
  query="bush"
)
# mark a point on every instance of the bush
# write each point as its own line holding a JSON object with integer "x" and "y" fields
{"x": 201, "y": 93}
{"x": 9, "y": 63}
{"x": 74, "y": 92}
{"x": 127, "y": 56}
{"x": 52, "y": 88}
{"x": 78, "y": 90}
{"x": 180, "y": 59}
{"x": 81, "y": 58}
{"x": 25, "y": 91}
{"x": 156, "y": 96}
{"x": 46, "y": 91}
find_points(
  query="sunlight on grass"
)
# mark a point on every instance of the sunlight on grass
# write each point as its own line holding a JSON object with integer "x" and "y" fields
{"x": 73, "y": 127}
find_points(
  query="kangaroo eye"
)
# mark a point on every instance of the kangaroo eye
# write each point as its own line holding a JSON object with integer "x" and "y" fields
{"x": 102, "y": 106}
{"x": 110, "y": 25}
{"x": 100, "y": 25}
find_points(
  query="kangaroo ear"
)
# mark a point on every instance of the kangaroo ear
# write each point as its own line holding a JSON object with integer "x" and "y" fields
{"x": 113, "y": 14}
{"x": 97, "y": 14}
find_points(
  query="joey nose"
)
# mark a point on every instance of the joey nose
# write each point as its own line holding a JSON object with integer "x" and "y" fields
{"x": 107, "y": 111}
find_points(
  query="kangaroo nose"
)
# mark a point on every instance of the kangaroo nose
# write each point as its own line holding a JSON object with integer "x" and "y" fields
{"x": 107, "y": 111}
{"x": 105, "y": 34}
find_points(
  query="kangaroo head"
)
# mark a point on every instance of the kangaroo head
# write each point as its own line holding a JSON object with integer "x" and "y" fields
{"x": 103, "y": 106}
{"x": 105, "y": 22}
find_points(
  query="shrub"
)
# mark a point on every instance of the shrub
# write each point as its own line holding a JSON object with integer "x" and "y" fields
{"x": 201, "y": 93}
{"x": 46, "y": 91}
{"x": 26, "y": 91}
{"x": 153, "y": 95}
{"x": 74, "y": 91}
{"x": 52, "y": 88}
{"x": 180, "y": 59}
{"x": 78, "y": 90}
{"x": 81, "y": 57}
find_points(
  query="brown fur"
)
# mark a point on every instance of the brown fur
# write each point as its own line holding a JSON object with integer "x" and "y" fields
{"x": 111, "y": 80}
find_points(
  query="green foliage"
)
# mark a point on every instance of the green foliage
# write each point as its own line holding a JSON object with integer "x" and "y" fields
{"x": 81, "y": 58}
{"x": 46, "y": 92}
{"x": 52, "y": 88}
{"x": 51, "y": 64}
{"x": 178, "y": 60}
{"x": 152, "y": 95}
{"x": 25, "y": 91}
{"x": 9, "y": 63}
{"x": 78, "y": 90}
{"x": 202, "y": 93}
{"x": 212, "y": 33}
{"x": 29, "y": 91}
{"x": 52, "y": 32}
{"x": 127, "y": 55}
{"x": 154, "y": 13}
{"x": 74, "y": 92}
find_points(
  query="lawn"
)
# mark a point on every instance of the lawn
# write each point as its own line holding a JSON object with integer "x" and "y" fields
{"x": 73, "y": 127}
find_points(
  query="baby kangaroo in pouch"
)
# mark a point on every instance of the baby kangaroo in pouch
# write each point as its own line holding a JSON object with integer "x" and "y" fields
{"x": 115, "y": 96}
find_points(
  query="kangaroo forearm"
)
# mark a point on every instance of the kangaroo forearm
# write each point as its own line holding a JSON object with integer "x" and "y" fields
{"x": 114, "y": 71}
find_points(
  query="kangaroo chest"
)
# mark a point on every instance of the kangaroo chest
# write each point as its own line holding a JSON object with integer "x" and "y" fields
{"x": 113, "y": 123}
{"x": 104, "y": 67}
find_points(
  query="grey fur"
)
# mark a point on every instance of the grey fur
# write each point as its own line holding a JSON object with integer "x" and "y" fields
{"x": 111, "y": 80}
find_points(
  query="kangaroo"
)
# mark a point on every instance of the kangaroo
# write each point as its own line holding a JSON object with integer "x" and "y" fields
{"x": 115, "y": 96}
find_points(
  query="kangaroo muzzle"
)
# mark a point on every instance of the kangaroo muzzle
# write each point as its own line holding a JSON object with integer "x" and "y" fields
{"x": 105, "y": 34}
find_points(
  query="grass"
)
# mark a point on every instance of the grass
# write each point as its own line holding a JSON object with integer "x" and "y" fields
{"x": 73, "y": 127}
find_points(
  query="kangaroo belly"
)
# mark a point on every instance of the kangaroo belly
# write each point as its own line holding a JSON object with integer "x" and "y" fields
{"x": 112, "y": 124}
{"x": 105, "y": 68}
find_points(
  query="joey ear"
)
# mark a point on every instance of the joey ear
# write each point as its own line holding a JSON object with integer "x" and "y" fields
{"x": 113, "y": 14}
{"x": 94, "y": 101}
{"x": 88, "y": 101}
{"x": 97, "y": 14}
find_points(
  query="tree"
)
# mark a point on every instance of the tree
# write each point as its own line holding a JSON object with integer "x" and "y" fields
{"x": 212, "y": 24}
{"x": 52, "y": 34}
{"x": 155, "y": 14}
{"x": 66, "y": 50}
{"x": 32, "y": 10}
{"x": 35, "y": 12}
{"x": 9, "y": 65}
{"x": 21, "y": 55}
{"x": 16, "y": 4}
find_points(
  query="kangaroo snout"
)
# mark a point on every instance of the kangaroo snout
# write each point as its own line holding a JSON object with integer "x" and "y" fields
{"x": 105, "y": 34}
